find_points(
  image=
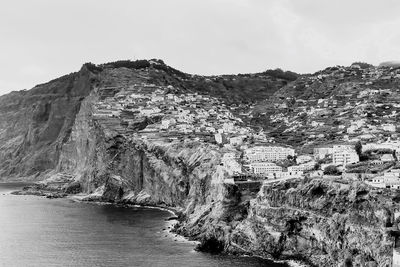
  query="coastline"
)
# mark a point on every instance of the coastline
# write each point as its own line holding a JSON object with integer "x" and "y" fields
{"x": 170, "y": 222}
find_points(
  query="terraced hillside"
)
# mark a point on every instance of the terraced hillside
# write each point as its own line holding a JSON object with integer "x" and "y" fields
{"x": 338, "y": 104}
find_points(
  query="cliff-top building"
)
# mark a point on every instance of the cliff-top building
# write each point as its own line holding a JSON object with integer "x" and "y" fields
{"x": 265, "y": 168}
{"x": 268, "y": 153}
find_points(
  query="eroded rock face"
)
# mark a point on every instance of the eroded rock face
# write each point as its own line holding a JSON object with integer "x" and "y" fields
{"x": 34, "y": 124}
{"x": 327, "y": 223}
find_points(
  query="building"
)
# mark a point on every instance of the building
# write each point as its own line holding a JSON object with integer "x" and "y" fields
{"x": 303, "y": 159}
{"x": 308, "y": 166}
{"x": 220, "y": 138}
{"x": 265, "y": 168}
{"x": 393, "y": 145}
{"x": 387, "y": 158}
{"x": 268, "y": 153}
{"x": 166, "y": 123}
{"x": 388, "y": 180}
{"x": 149, "y": 111}
{"x": 322, "y": 152}
{"x": 293, "y": 171}
{"x": 389, "y": 127}
{"x": 236, "y": 141}
{"x": 344, "y": 155}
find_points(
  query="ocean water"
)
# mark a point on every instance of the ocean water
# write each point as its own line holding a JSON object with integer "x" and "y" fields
{"x": 36, "y": 231}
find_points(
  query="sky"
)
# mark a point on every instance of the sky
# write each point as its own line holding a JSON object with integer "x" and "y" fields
{"x": 44, "y": 39}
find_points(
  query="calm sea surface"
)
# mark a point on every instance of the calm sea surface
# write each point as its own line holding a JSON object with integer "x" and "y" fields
{"x": 36, "y": 231}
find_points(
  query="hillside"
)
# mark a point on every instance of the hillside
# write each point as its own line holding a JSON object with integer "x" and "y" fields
{"x": 36, "y": 123}
{"x": 337, "y": 104}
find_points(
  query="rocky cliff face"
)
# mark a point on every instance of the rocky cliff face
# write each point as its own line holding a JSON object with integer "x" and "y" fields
{"x": 35, "y": 123}
{"x": 56, "y": 131}
{"x": 328, "y": 223}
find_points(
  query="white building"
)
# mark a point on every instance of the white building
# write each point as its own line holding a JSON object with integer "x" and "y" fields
{"x": 303, "y": 158}
{"x": 149, "y": 111}
{"x": 220, "y": 138}
{"x": 387, "y": 158}
{"x": 157, "y": 98}
{"x": 268, "y": 153}
{"x": 343, "y": 155}
{"x": 228, "y": 127}
{"x": 293, "y": 171}
{"x": 389, "y": 127}
{"x": 266, "y": 168}
{"x": 210, "y": 129}
{"x": 166, "y": 123}
{"x": 392, "y": 145}
{"x": 236, "y": 141}
{"x": 308, "y": 166}
{"x": 388, "y": 180}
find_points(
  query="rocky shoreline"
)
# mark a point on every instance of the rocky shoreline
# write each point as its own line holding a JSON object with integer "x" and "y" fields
{"x": 177, "y": 220}
{"x": 301, "y": 220}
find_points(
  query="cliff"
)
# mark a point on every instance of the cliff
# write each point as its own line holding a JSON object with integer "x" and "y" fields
{"x": 86, "y": 133}
{"x": 35, "y": 123}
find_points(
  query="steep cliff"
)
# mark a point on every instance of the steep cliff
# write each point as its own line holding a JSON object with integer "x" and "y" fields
{"x": 35, "y": 123}
{"x": 327, "y": 223}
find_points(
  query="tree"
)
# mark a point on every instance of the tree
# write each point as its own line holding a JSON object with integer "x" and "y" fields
{"x": 317, "y": 166}
{"x": 331, "y": 170}
{"x": 358, "y": 148}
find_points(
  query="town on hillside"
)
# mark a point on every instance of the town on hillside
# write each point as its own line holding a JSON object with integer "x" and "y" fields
{"x": 357, "y": 110}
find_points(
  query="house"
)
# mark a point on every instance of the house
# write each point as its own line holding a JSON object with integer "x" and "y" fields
{"x": 166, "y": 123}
{"x": 157, "y": 98}
{"x": 302, "y": 167}
{"x": 352, "y": 129}
{"x": 210, "y": 129}
{"x": 185, "y": 128}
{"x": 303, "y": 158}
{"x": 388, "y": 180}
{"x": 295, "y": 169}
{"x": 387, "y": 158}
{"x": 236, "y": 141}
{"x": 291, "y": 173}
{"x": 228, "y": 127}
{"x": 220, "y": 138}
{"x": 149, "y": 111}
{"x": 389, "y": 127}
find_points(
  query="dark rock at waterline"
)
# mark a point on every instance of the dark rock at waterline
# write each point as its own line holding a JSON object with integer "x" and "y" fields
{"x": 73, "y": 188}
{"x": 172, "y": 218}
{"x": 55, "y": 195}
{"x": 32, "y": 192}
{"x": 211, "y": 245}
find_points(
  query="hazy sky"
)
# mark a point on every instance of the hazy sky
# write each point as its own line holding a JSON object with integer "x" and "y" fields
{"x": 43, "y": 39}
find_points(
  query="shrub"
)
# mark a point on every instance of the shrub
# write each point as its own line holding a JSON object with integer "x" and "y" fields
{"x": 331, "y": 170}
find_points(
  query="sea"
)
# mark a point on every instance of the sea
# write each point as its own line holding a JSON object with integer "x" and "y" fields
{"x": 36, "y": 231}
